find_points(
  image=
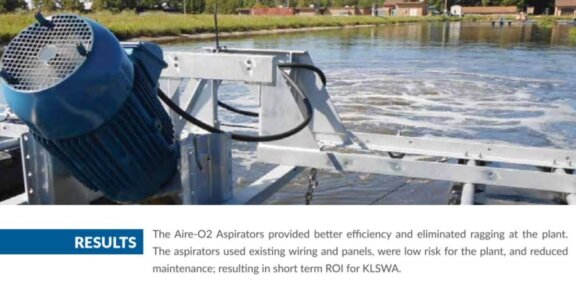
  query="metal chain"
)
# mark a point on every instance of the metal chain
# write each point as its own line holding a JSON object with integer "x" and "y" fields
{"x": 312, "y": 184}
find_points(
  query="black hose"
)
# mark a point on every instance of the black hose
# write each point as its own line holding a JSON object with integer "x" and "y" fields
{"x": 236, "y": 110}
{"x": 394, "y": 155}
{"x": 282, "y": 66}
{"x": 307, "y": 67}
{"x": 240, "y": 137}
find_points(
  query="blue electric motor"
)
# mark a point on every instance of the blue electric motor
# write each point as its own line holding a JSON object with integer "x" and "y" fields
{"x": 91, "y": 102}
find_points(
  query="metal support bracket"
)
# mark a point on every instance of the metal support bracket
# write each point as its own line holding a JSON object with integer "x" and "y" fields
{"x": 468, "y": 189}
{"x": 261, "y": 189}
{"x": 45, "y": 179}
{"x": 206, "y": 169}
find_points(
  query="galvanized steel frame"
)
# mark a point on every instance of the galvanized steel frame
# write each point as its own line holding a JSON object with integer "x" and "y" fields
{"x": 279, "y": 111}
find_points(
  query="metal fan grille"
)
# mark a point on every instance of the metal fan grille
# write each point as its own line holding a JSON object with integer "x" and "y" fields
{"x": 40, "y": 57}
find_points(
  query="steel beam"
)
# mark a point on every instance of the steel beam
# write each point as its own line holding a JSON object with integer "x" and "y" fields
{"x": 206, "y": 169}
{"x": 281, "y": 112}
{"x": 188, "y": 98}
{"x": 266, "y": 186}
{"x": 461, "y": 149}
{"x": 253, "y": 51}
{"x": 221, "y": 66}
{"x": 19, "y": 199}
{"x": 9, "y": 144}
{"x": 417, "y": 169}
{"x": 326, "y": 119}
{"x": 46, "y": 181}
{"x": 12, "y": 130}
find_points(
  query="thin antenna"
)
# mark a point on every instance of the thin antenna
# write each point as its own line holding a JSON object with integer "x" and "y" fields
{"x": 216, "y": 26}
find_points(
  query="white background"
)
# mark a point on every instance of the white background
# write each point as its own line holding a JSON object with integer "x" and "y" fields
{"x": 135, "y": 270}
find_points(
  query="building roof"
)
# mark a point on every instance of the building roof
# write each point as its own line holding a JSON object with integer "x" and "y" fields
{"x": 310, "y": 9}
{"x": 411, "y": 4}
{"x": 395, "y": 2}
{"x": 489, "y": 10}
{"x": 342, "y": 8}
{"x": 565, "y": 3}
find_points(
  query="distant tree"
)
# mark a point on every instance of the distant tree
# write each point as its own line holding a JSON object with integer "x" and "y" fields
{"x": 224, "y": 6}
{"x": 436, "y": 3}
{"x": 173, "y": 4}
{"x": 124, "y": 4}
{"x": 265, "y": 3}
{"x": 258, "y": 4}
{"x": 342, "y": 3}
{"x": 248, "y": 3}
{"x": 369, "y": 3}
{"x": 517, "y": 3}
{"x": 230, "y": 6}
{"x": 114, "y": 5}
{"x": 465, "y": 2}
{"x": 195, "y": 6}
{"x": 45, "y": 5}
{"x": 12, "y": 5}
{"x": 304, "y": 3}
{"x": 98, "y": 5}
{"x": 73, "y": 5}
{"x": 148, "y": 4}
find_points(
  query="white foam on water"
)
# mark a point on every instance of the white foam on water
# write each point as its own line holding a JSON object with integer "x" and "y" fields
{"x": 451, "y": 102}
{"x": 437, "y": 102}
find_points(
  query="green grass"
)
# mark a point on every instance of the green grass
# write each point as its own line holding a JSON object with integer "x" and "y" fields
{"x": 128, "y": 25}
{"x": 573, "y": 35}
{"x": 549, "y": 21}
{"x": 545, "y": 21}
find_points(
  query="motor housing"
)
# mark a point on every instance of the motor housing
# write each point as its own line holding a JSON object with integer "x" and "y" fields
{"x": 91, "y": 102}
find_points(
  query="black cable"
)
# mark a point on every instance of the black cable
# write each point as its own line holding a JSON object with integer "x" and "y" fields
{"x": 312, "y": 68}
{"x": 240, "y": 137}
{"x": 282, "y": 66}
{"x": 236, "y": 110}
{"x": 394, "y": 155}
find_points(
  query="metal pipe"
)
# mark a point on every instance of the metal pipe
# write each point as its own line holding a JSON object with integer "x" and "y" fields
{"x": 468, "y": 189}
{"x": 467, "y": 194}
{"x": 571, "y": 199}
{"x": 9, "y": 143}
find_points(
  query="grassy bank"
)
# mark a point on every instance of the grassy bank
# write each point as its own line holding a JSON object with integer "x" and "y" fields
{"x": 573, "y": 34}
{"x": 129, "y": 25}
{"x": 549, "y": 21}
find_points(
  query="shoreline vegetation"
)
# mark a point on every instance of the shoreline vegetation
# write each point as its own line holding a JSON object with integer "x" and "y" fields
{"x": 166, "y": 27}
